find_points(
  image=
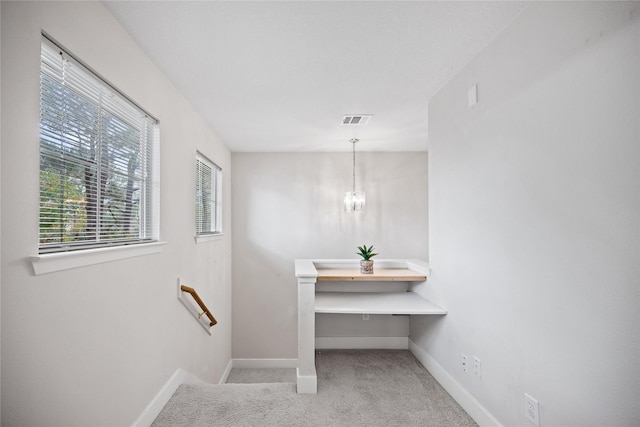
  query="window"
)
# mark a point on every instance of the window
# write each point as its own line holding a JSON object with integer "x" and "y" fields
{"x": 98, "y": 160}
{"x": 208, "y": 197}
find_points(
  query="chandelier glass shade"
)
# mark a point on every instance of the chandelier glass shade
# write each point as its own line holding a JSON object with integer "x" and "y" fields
{"x": 354, "y": 201}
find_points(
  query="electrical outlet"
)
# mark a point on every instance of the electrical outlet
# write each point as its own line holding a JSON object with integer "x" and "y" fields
{"x": 465, "y": 363}
{"x": 365, "y": 316}
{"x": 477, "y": 367}
{"x": 531, "y": 409}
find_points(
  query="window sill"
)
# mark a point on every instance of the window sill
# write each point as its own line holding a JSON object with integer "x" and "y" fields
{"x": 49, "y": 263}
{"x": 209, "y": 237}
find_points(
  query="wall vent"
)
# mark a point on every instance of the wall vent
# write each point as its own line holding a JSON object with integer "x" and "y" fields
{"x": 356, "y": 119}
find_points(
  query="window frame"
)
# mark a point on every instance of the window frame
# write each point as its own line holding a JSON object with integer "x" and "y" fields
{"x": 214, "y": 232}
{"x": 145, "y": 149}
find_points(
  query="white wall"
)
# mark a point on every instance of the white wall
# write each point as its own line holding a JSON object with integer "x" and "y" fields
{"x": 91, "y": 346}
{"x": 289, "y": 206}
{"x": 534, "y": 218}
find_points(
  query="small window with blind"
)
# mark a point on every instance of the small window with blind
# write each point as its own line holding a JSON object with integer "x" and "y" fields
{"x": 98, "y": 160}
{"x": 208, "y": 197}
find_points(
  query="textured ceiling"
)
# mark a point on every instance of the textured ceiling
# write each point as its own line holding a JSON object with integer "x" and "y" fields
{"x": 279, "y": 76}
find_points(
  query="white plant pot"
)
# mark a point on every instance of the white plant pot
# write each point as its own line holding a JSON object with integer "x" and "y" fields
{"x": 366, "y": 267}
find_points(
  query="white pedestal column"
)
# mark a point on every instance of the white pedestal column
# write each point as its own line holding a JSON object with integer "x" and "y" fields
{"x": 307, "y": 380}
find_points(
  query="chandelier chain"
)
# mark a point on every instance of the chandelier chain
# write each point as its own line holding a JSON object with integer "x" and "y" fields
{"x": 354, "y": 201}
{"x": 354, "y": 165}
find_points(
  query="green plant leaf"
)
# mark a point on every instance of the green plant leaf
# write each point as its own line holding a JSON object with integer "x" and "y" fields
{"x": 366, "y": 252}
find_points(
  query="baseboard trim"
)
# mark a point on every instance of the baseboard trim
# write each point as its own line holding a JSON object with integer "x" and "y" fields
{"x": 154, "y": 407}
{"x": 469, "y": 403}
{"x": 389, "y": 343}
{"x": 264, "y": 363}
{"x": 306, "y": 384}
{"x": 227, "y": 371}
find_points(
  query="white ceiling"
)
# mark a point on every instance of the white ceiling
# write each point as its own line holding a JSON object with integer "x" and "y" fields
{"x": 279, "y": 76}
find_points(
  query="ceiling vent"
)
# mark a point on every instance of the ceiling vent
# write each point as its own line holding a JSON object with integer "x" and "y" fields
{"x": 356, "y": 119}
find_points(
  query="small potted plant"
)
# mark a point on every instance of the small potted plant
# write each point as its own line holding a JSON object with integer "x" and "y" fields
{"x": 366, "y": 264}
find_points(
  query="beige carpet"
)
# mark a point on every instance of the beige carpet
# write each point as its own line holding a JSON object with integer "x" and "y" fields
{"x": 261, "y": 375}
{"x": 355, "y": 388}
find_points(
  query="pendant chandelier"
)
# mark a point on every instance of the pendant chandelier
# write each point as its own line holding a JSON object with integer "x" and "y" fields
{"x": 354, "y": 200}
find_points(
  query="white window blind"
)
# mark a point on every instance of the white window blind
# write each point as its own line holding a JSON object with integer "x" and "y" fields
{"x": 98, "y": 160}
{"x": 208, "y": 189}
